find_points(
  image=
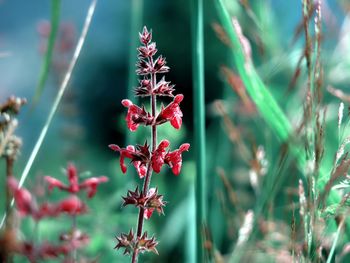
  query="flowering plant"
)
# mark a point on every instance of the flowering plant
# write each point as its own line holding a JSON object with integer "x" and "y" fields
{"x": 144, "y": 159}
{"x": 73, "y": 206}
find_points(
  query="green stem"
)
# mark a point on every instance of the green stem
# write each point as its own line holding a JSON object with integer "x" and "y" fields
{"x": 199, "y": 123}
{"x": 331, "y": 253}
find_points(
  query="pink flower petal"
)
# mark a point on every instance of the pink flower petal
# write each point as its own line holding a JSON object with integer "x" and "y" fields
{"x": 148, "y": 213}
{"x": 53, "y": 182}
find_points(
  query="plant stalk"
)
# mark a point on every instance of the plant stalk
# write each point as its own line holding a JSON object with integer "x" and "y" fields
{"x": 149, "y": 167}
{"x": 8, "y": 223}
{"x": 74, "y": 227}
{"x": 9, "y": 173}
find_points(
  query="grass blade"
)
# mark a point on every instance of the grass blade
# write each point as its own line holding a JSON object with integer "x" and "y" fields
{"x": 45, "y": 68}
{"x": 199, "y": 124}
{"x": 135, "y": 28}
{"x": 335, "y": 241}
{"x": 261, "y": 96}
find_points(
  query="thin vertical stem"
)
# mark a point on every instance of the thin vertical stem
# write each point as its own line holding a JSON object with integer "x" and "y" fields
{"x": 8, "y": 224}
{"x": 199, "y": 123}
{"x": 134, "y": 256}
{"x": 149, "y": 167}
{"x": 9, "y": 173}
{"x": 136, "y": 21}
{"x": 335, "y": 241}
{"x": 74, "y": 227}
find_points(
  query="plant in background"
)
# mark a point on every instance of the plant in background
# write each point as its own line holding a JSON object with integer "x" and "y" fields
{"x": 9, "y": 143}
{"x": 27, "y": 205}
{"x": 10, "y": 146}
{"x": 145, "y": 161}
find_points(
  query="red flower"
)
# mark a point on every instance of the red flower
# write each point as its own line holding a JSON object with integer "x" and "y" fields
{"x": 45, "y": 210}
{"x": 72, "y": 175}
{"x": 158, "y": 156}
{"x": 22, "y": 197}
{"x": 136, "y": 115}
{"x": 154, "y": 201}
{"x": 53, "y": 182}
{"x": 141, "y": 168}
{"x": 139, "y": 157}
{"x": 148, "y": 213}
{"x": 127, "y": 152}
{"x": 174, "y": 158}
{"x": 172, "y": 113}
{"x": 92, "y": 183}
{"x": 72, "y": 206}
{"x": 74, "y": 186}
{"x": 26, "y": 205}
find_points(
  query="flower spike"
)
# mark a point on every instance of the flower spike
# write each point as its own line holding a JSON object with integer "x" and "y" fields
{"x": 146, "y": 160}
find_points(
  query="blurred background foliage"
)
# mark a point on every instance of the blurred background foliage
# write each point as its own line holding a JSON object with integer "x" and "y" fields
{"x": 91, "y": 116}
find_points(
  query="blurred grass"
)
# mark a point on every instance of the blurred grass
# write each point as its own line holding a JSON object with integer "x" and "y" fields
{"x": 265, "y": 102}
{"x": 60, "y": 93}
{"x": 45, "y": 68}
{"x": 277, "y": 121}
